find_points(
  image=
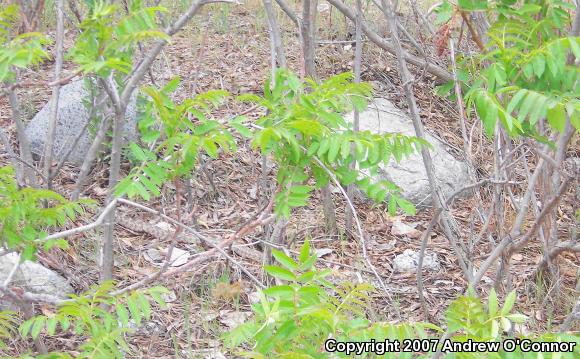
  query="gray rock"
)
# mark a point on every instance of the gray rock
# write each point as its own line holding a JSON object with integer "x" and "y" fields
{"x": 409, "y": 261}
{"x": 72, "y": 118}
{"x": 409, "y": 174}
{"x": 32, "y": 278}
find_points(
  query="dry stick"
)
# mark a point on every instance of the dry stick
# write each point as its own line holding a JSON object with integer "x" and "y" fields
{"x": 506, "y": 242}
{"x": 406, "y": 33}
{"x": 460, "y": 107}
{"x": 261, "y": 219}
{"x": 73, "y": 146}
{"x": 50, "y": 299}
{"x": 515, "y": 228}
{"x": 575, "y": 31}
{"x": 572, "y": 317}
{"x": 35, "y": 14}
{"x": 72, "y": 4}
{"x": 218, "y": 248}
{"x": 426, "y": 234}
{"x": 308, "y": 31}
{"x": 90, "y": 157}
{"x": 28, "y": 311}
{"x": 356, "y": 119}
{"x": 543, "y": 238}
{"x": 192, "y": 231}
{"x": 424, "y": 20}
{"x": 473, "y": 32}
{"x": 437, "y": 196}
{"x": 275, "y": 35}
{"x": 498, "y": 150}
{"x": 563, "y": 141}
{"x": 61, "y": 162}
{"x": 12, "y": 272}
{"x": 486, "y": 224}
{"x": 288, "y": 11}
{"x": 13, "y": 158}
{"x": 420, "y": 284}
{"x": 435, "y": 70}
{"x": 53, "y": 116}
{"x": 358, "y": 226}
{"x": 23, "y": 143}
{"x": 142, "y": 68}
{"x": 36, "y": 170}
{"x": 168, "y": 253}
{"x": 566, "y": 246}
{"x": 278, "y": 59}
{"x": 63, "y": 81}
{"x": 200, "y": 54}
{"x": 71, "y": 232}
{"x": 463, "y": 126}
{"x": 106, "y": 248}
{"x": 520, "y": 244}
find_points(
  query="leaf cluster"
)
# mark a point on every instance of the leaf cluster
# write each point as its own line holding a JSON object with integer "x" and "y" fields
{"x": 8, "y": 325}
{"x": 528, "y": 72}
{"x": 27, "y": 213}
{"x": 100, "y": 317}
{"x": 21, "y": 50}
{"x": 293, "y": 319}
{"x": 109, "y": 36}
{"x": 175, "y": 135}
{"x": 304, "y": 130}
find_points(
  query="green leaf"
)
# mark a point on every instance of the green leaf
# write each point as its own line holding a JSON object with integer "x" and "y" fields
{"x": 37, "y": 327}
{"x": 334, "y": 149}
{"x": 517, "y": 318}
{"x": 240, "y": 334}
{"x": 25, "y": 327}
{"x": 492, "y": 303}
{"x": 304, "y": 251}
{"x": 122, "y": 314}
{"x": 406, "y": 206}
{"x": 133, "y": 306}
{"x": 138, "y": 152}
{"x": 279, "y": 291}
{"x": 444, "y": 13}
{"x": 242, "y": 130}
{"x": 280, "y": 273}
{"x": 283, "y": 259}
{"x": 210, "y": 147}
{"x": 472, "y": 5}
{"x": 509, "y": 303}
{"x": 309, "y": 263}
{"x": 556, "y": 116}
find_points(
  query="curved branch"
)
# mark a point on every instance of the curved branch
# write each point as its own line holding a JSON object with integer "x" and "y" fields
{"x": 435, "y": 70}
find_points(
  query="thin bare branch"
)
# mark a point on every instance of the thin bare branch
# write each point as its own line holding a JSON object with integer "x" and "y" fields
{"x": 53, "y": 115}
{"x": 435, "y": 70}
{"x": 275, "y": 35}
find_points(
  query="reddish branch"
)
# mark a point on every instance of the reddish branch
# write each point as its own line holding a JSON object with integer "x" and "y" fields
{"x": 566, "y": 246}
{"x": 261, "y": 219}
{"x": 472, "y": 31}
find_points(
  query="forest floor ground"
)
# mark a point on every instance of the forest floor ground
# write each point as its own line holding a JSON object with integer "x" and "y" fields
{"x": 231, "y": 51}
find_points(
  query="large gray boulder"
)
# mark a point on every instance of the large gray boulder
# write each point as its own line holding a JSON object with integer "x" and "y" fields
{"x": 72, "y": 118}
{"x": 31, "y": 277}
{"x": 409, "y": 174}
